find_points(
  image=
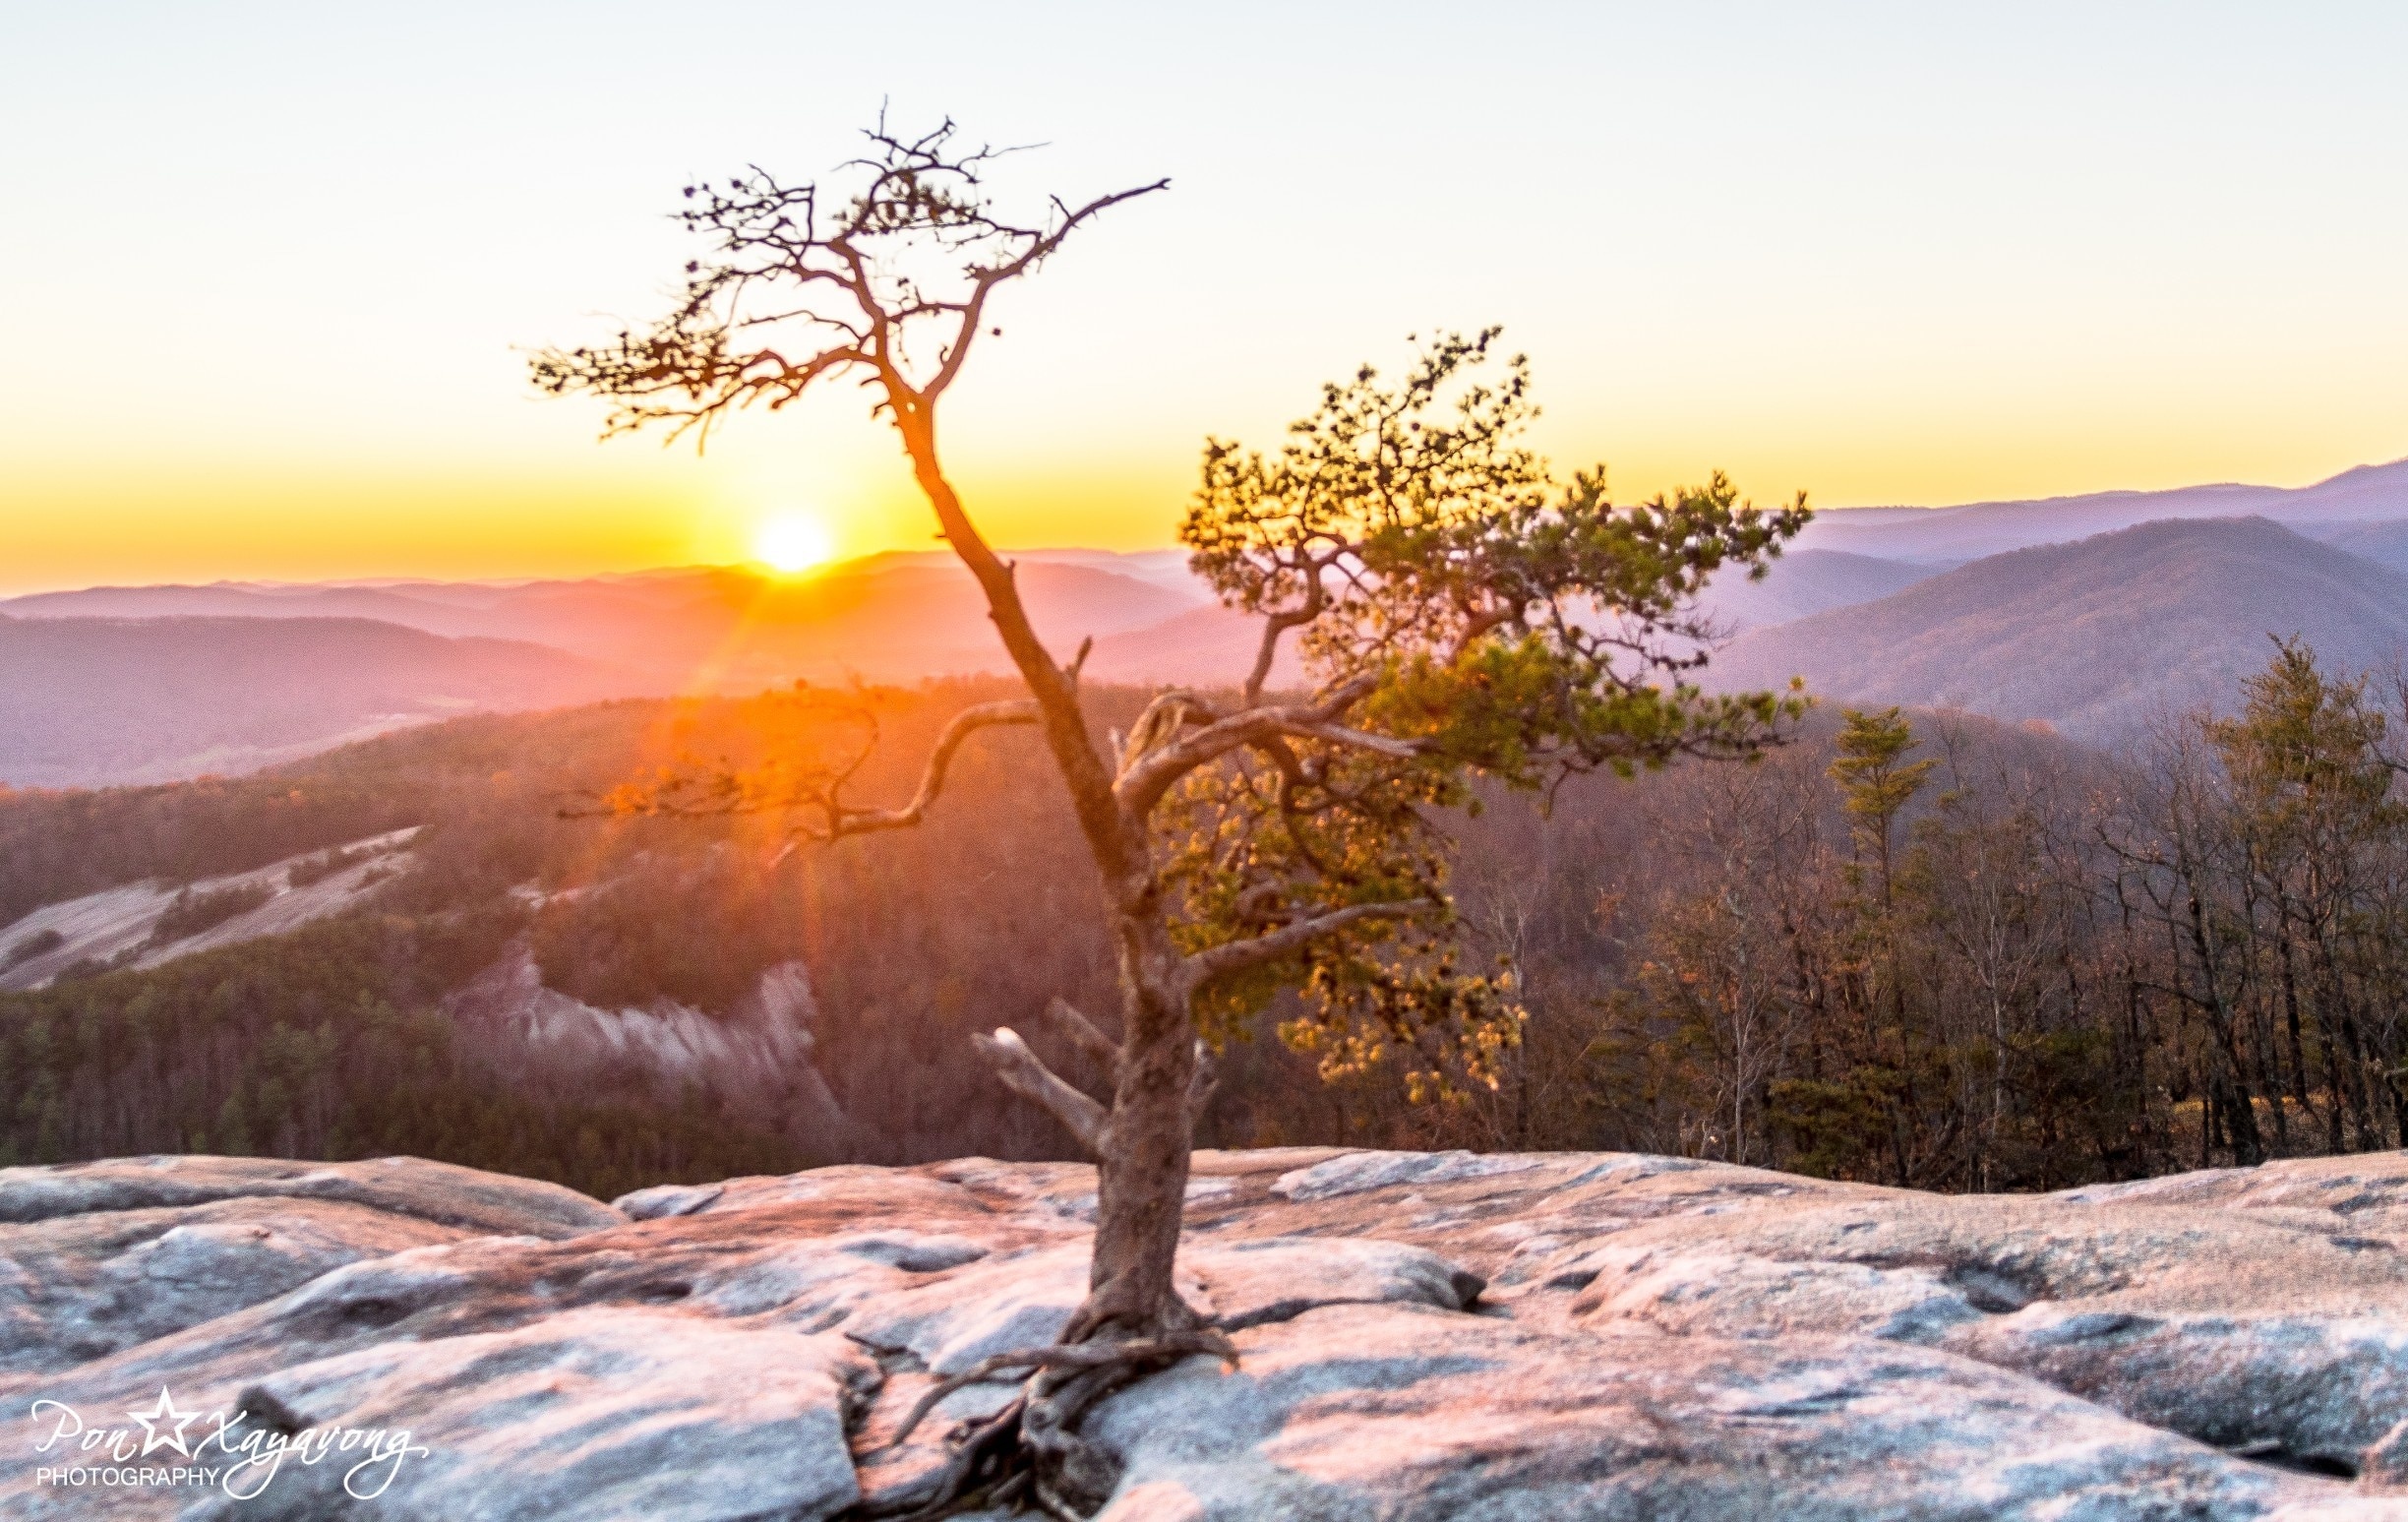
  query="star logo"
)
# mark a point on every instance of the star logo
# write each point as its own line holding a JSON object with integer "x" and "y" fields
{"x": 163, "y": 1413}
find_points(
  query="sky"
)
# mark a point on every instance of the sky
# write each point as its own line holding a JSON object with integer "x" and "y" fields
{"x": 268, "y": 272}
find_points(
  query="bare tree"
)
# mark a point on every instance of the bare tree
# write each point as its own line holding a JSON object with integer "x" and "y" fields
{"x": 1460, "y": 612}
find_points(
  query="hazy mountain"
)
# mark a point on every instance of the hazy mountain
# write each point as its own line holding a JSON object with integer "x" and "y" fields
{"x": 1948, "y": 535}
{"x": 236, "y": 599}
{"x": 1207, "y": 647}
{"x": 2020, "y": 638}
{"x": 99, "y": 701}
{"x": 1803, "y": 582}
{"x": 2093, "y": 636}
{"x": 886, "y": 617}
{"x": 2385, "y": 543}
{"x": 121, "y": 685}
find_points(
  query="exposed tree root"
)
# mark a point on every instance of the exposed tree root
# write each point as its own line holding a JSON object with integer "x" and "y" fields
{"x": 1030, "y": 1451}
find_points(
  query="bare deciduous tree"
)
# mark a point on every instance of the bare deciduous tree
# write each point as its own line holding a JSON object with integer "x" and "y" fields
{"x": 1460, "y": 611}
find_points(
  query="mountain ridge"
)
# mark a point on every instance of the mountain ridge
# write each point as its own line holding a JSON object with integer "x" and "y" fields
{"x": 1969, "y": 530}
{"x": 2097, "y": 637}
{"x": 92, "y": 702}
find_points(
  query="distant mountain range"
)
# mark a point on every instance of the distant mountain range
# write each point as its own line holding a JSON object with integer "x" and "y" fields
{"x": 2095, "y": 637}
{"x": 1944, "y": 536}
{"x": 1803, "y": 582}
{"x": 2090, "y": 613}
{"x": 890, "y": 617}
{"x": 143, "y": 684}
{"x": 90, "y": 702}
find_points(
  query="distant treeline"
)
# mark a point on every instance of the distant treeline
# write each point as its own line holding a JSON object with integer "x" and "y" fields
{"x": 56, "y": 845}
{"x": 1907, "y": 947}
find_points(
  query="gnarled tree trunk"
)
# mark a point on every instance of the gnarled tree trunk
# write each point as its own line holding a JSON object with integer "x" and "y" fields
{"x": 1141, "y": 1182}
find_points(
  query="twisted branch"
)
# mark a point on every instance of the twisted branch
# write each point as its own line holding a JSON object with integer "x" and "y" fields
{"x": 842, "y": 820}
{"x": 1084, "y": 1034}
{"x": 1238, "y": 956}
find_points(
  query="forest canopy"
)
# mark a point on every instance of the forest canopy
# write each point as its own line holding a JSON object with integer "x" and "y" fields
{"x": 1715, "y": 962}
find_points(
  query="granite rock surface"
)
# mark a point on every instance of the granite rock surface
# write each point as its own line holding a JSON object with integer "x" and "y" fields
{"x": 1422, "y": 1337}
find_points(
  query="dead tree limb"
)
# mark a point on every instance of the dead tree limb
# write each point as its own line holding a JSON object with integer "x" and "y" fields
{"x": 1026, "y": 1075}
{"x": 1084, "y": 1033}
{"x": 1203, "y": 1086}
{"x": 842, "y": 820}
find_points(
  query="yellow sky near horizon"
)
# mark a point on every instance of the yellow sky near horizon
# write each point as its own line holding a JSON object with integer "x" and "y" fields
{"x": 274, "y": 270}
{"x": 583, "y": 506}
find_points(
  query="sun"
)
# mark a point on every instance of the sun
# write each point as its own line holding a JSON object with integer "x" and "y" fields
{"x": 792, "y": 542}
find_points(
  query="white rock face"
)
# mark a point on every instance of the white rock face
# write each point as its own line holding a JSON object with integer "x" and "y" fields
{"x": 118, "y": 922}
{"x": 760, "y": 1055}
{"x": 1422, "y": 1338}
{"x": 1353, "y": 1172}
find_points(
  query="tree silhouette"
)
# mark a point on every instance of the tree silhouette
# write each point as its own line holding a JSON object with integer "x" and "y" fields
{"x": 1461, "y": 614}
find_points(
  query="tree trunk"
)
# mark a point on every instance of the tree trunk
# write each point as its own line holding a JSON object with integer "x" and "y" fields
{"x": 1141, "y": 1179}
{"x": 1141, "y": 1169}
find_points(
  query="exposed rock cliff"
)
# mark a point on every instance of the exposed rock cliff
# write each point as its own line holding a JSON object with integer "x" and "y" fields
{"x": 758, "y": 1054}
{"x": 1422, "y": 1337}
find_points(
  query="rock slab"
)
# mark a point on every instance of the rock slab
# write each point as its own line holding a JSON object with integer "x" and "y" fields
{"x": 1422, "y": 1337}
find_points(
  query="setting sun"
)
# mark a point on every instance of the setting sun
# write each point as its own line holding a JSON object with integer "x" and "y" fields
{"x": 792, "y": 542}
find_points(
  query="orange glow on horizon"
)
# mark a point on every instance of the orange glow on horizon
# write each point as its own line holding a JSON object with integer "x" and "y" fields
{"x": 1997, "y": 256}
{"x": 577, "y": 508}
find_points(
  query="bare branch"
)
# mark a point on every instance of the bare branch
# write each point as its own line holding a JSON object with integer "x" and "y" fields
{"x": 1025, "y": 1075}
{"x": 1357, "y": 738}
{"x": 842, "y": 820}
{"x": 1238, "y": 956}
{"x": 1317, "y": 596}
{"x": 1084, "y": 1034}
{"x": 887, "y": 279}
{"x": 983, "y": 283}
{"x": 1145, "y": 778}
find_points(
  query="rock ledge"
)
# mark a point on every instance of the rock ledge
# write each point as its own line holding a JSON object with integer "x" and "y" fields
{"x": 1423, "y": 1337}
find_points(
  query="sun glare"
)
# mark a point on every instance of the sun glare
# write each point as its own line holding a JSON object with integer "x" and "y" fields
{"x": 792, "y": 542}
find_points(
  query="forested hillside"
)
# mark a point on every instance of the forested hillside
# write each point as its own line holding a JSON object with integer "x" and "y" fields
{"x": 1928, "y": 950}
{"x": 331, "y": 1041}
{"x": 93, "y": 701}
{"x": 2102, "y": 637}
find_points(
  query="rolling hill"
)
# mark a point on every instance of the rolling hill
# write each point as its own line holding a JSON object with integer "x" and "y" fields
{"x": 1803, "y": 582}
{"x": 893, "y": 616}
{"x": 2097, "y": 637}
{"x": 87, "y": 703}
{"x": 2384, "y": 543}
{"x": 1941, "y": 536}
